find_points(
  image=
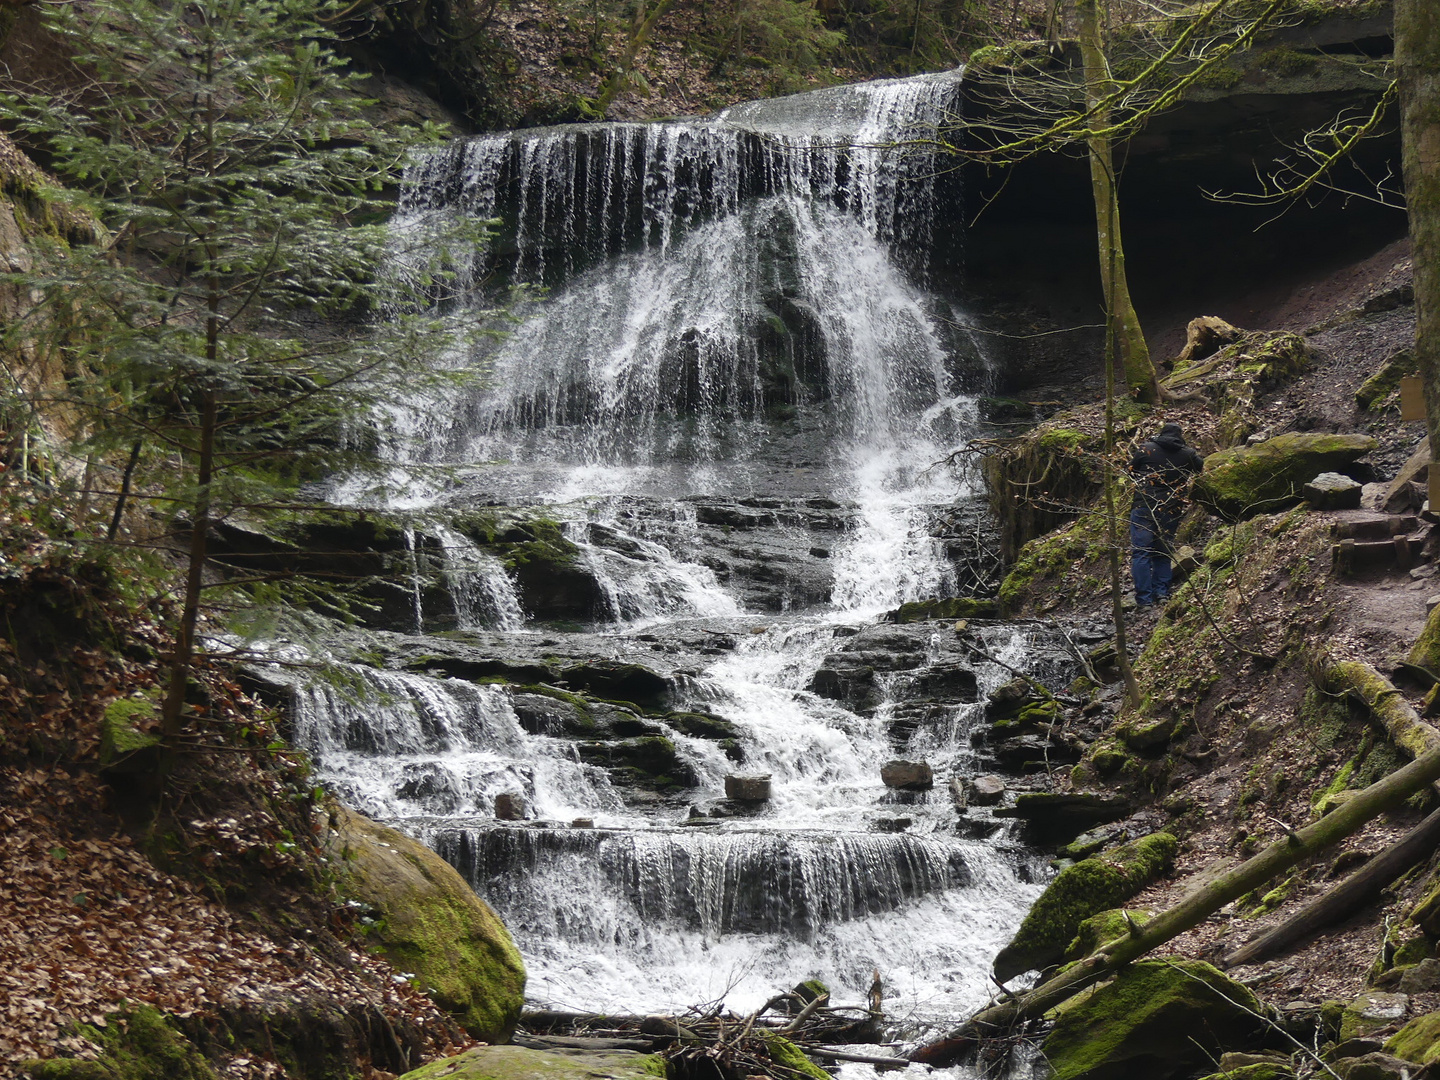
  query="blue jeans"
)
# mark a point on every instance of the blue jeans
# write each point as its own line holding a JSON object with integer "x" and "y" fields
{"x": 1151, "y": 535}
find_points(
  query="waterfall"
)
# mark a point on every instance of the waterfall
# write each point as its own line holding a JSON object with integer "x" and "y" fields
{"x": 742, "y": 369}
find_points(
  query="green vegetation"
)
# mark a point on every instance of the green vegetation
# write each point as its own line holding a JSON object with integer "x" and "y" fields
{"x": 1127, "y": 1028}
{"x": 223, "y": 147}
{"x": 1079, "y": 892}
{"x": 140, "y": 1044}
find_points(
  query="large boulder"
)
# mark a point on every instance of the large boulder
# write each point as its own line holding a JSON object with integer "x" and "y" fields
{"x": 1157, "y": 1019}
{"x": 518, "y": 1063}
{"x": 1270, "y": 475}
{"x": 1078, "y": 892}
{"x": 431, "y": 924}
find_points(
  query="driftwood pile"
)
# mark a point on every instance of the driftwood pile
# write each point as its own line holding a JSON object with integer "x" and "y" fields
{"x": 782, "y": 1039}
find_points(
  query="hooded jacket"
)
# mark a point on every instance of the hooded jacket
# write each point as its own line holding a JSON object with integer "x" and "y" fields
{"x": 1162, "y": 467}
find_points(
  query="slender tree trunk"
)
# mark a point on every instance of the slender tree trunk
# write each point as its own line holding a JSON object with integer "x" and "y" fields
{"x": 118, "y": 517}
{"x": 1139, "y": 371}
{"x": 1112, "y": 520}
{"x": 172, "y": 713}
{"x": 1417, "y": 58}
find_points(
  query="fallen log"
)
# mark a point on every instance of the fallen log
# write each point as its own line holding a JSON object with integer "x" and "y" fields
{"x": 825, "y": 1054}
{"x": 1358, "y": 680}
{"x": 1296, "y": 846}
{"x": 1348, "y": 897}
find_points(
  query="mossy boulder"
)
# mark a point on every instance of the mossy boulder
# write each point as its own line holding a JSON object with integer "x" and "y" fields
{"x": 1375, "y": 391}
{"x": 431, "y": 924}
{"x": 129, "y": 733}
{"x": 1417, "y": 1041}
{"x": 1079, "y": 892}
{"x": 1157, "y": 1019}
{"x": 517, "y": 1063}
{"x": 649, "y": 761}
{"x": 139, "y": 1045}
{"x": 1249, "y": 480}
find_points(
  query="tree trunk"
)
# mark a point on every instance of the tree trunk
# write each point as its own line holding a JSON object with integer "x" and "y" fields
{"x": 1417, "y": 58}
{"x": 1295, "y": 847}
{"x": 643, "y": 26}
{"x": 1130, "y": 338}
{"x": 1348, "y": 897}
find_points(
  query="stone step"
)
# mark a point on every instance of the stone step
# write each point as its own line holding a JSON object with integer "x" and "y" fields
{"x": 1400, "y": 552}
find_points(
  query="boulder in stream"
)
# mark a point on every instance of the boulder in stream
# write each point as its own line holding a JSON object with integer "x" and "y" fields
{"x": 747, "y": 788}
{"x": 433, "y": 925}
{"x": 908, "y": 775}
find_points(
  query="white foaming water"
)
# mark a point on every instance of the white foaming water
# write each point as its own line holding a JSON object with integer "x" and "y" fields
{"x": 482, "y": 590}
{"x": 397, "y": 745}
{"x": 641, "y": 578}
{"x": 736, "y": 307}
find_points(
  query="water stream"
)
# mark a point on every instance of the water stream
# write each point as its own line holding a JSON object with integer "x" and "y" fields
{"x": 732, "y": 398}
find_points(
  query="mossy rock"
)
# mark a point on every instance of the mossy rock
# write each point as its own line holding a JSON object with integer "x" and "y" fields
{"x": 791, "y": 1058}
{"x": 1426, "y": 650}
{"x": 1103, "y": 928}
{"x": 702, "y": 726}
{"x": 1249, "y": 480}
{"x": 1417, "y": 1041}
{"x": 1157, "y": 1019}
{"x": 649, "y": 761}
{"x": 1375, "y": 390}
{"x": 126, "y": 743}
{"x": 955, "y": 607}
{"x": 139, "y": 1045}
{"x": 1079, "y": 892}
{"x": 432, "y": 925}
{"x": 518, "y": 1063}
{"x": 1370, "y": 1012}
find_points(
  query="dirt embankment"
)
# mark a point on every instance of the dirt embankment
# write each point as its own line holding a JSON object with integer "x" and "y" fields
{"x": 1237, "y": 740}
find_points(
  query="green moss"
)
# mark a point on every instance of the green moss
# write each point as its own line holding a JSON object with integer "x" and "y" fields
{"x": 138, "y": 1045}
{"x": 787, "y": 1054}
{"x": 1079, "y": 892}
{"x": 1109, "y": 758}
{"x": 433, "y": 926}
{"x": 1247, "y": 480}
{"x": 1417, "y": 1041}
{"x": 519, "y": 1063}
{"x": 1130, "y": 1027}
{"x": 1061, "y": 439}
{"x": 1374, "y": 391}
{"x": 1426, "y": 650}
{"x": 1103, "y": 928}
{"x": 120, "y": 727}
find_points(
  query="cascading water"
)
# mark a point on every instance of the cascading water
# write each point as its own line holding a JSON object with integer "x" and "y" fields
{"x": 732, "y": 399}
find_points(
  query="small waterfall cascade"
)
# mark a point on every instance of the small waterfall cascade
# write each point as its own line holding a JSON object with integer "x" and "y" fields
{"x": 732, "y": 396}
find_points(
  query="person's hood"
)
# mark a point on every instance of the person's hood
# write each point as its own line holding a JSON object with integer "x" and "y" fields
{"x": 1168, "y": 441}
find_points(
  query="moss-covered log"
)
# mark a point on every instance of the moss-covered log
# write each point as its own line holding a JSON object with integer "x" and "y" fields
{"x": 1357, "y": 679}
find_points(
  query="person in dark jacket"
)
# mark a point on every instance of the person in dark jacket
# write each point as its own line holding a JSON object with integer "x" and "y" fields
{"x": 1162, "y": 468}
